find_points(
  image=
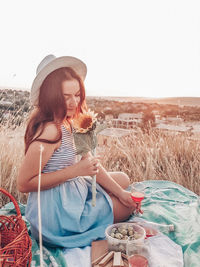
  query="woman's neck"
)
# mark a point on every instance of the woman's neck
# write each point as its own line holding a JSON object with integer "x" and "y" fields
{"x": 67, "y": 125}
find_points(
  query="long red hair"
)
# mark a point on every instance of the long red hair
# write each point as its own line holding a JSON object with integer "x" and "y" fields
{"x": 51, "y": 105}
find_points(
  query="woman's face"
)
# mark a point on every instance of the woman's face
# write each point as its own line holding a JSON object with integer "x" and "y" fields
{"x": 71, "y": 92}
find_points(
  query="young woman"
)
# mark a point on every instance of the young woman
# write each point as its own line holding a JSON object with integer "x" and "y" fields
{"x": 68, "y": 217}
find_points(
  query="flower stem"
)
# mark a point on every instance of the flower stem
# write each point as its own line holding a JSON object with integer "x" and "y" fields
{"x": 94, "y": 190}
{"x": 94, "y": 185}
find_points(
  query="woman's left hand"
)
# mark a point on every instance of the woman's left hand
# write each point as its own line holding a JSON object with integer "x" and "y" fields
{"x": 125, "y": 198}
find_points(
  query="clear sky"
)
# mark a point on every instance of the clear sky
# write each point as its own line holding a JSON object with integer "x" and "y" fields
{"x": 148, "y": 48}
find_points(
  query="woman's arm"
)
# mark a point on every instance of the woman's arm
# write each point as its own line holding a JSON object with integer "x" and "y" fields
{"x": 107, "y": 182}
{"x": 27, "y": 180}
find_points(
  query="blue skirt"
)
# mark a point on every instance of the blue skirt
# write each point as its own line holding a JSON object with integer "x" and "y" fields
{"x": 68, "y": 218}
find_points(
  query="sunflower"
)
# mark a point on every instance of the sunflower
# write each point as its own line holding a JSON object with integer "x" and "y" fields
{"x": 85, "y": 121}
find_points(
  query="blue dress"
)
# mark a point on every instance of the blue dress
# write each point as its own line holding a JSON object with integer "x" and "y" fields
{"x": 68, "y": 218}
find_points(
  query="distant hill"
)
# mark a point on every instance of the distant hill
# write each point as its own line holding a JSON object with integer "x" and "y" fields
{"x": 183, "y": 101}
{"x": 2, "y": 88}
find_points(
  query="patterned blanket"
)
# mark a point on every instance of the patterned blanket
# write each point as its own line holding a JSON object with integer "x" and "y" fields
{"x": 165, "y": 202}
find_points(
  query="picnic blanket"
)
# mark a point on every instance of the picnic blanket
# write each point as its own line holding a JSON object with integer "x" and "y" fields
{"x": 165, "y": 202}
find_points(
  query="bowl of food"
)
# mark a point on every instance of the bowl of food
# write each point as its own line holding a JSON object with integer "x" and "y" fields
{"x": 118, "y": 234}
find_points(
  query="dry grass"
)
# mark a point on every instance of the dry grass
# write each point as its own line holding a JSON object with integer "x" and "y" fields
{"x": 156, "y": 156}
{"x": 142, "y": 156}
{"x": 11, "y": 154}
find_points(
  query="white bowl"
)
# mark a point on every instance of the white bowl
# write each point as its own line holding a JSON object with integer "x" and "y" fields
{"x": 115, "y": 244}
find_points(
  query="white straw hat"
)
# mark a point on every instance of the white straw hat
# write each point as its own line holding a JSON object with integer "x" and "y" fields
{"x": 48, "y": 65}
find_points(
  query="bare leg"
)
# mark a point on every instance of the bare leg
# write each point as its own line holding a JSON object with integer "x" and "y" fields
{"x": 121, "y": 212}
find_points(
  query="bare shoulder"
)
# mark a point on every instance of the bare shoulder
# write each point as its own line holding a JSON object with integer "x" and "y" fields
{"x": 51, "y": 131}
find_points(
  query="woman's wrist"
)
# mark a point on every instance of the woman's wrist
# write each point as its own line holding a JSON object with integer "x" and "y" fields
{"x": 71, "y": 172}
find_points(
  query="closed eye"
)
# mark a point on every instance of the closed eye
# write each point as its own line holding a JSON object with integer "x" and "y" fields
{"x": 67, "y": 96}
{"x": 77, "y": 93}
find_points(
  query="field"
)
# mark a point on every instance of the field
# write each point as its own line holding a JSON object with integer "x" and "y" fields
{"x": 11, "y": 154}
{"x": 142, "y": 156}
{"x": 157, "y": 155}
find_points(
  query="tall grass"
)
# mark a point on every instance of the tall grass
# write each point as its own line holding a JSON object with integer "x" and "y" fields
{"x": 156, "y": 156}
{"x": 142, "y": 156}
{"x": 11, "y": 154}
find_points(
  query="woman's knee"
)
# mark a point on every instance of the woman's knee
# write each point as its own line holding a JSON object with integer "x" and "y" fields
{"x": 125, "y": 179}
{"x": 121, "y": 178}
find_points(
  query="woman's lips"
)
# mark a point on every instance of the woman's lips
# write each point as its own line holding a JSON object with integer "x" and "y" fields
{"x": 71, "y": 110}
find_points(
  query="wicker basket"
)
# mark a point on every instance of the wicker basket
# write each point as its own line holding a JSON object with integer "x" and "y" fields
{"x": 15, "y": 242}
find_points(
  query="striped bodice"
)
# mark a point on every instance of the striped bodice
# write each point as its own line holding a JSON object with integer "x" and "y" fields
{"x": 64, "y": 156}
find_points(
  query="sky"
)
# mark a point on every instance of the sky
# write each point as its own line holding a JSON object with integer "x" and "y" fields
{"x": 144, "y": 48}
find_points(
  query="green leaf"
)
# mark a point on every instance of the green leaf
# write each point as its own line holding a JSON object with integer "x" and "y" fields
{"x": 100, "y": 127}
{"x": 85, "y": 142}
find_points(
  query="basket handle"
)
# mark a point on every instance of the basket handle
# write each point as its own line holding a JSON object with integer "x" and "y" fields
{"x": 13, "y": 200}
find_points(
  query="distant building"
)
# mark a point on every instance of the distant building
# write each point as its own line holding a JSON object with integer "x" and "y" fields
{"x": 127, "y": 120}
{"x": 108, "y": 116}
{"x": 176, "y": 128}
{"x": 130, "y": 116}
{"x": 5, "y": 103}
{"x": 109, "y": 136}
{"x": 158, "y": 119}
{"x": 174, "y": 119}
{"x": 126, "y": 124}
{"x": 156, "y": 112}
{"x": 107, "y": 110}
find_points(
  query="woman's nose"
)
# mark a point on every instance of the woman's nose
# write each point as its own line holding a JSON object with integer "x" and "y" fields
{"x": 73, "y": 101}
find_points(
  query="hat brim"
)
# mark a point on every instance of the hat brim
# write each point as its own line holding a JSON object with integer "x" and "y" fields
{"x": 76, "y": 64}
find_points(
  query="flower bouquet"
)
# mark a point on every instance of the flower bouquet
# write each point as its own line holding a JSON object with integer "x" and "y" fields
{"x": 85, "y": 137}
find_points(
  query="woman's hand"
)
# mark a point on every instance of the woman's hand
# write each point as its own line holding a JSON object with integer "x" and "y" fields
{"x": 125, "y": 198}
{"x": 87, "y": 166}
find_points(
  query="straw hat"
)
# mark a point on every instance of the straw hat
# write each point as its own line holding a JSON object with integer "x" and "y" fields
{"x": 48, "y": 65}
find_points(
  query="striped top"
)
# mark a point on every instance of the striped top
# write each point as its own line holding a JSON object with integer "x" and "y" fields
{"x": 64, "y": 156}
